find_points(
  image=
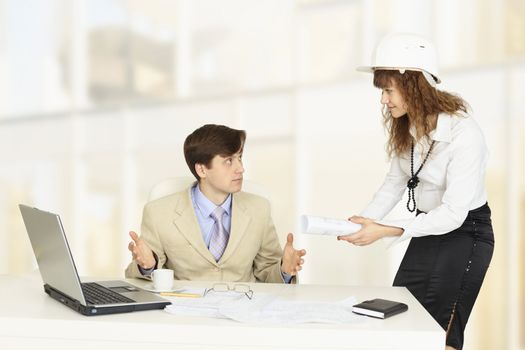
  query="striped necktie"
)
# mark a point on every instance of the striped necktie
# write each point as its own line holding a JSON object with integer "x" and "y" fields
{"x": 219, "y": 235}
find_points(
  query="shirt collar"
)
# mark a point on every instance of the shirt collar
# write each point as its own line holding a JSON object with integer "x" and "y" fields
{"x": 442, "y": 132}
{"x": 206, "y": 206}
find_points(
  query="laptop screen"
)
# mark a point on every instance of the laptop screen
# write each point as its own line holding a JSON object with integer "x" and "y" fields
{"x": 52, "y": 252}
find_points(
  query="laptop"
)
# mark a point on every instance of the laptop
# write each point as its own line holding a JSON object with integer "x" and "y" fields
{"x": 60, "y": 275}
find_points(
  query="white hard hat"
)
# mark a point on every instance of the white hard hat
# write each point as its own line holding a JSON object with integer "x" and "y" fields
{"x": 404, "y": 51}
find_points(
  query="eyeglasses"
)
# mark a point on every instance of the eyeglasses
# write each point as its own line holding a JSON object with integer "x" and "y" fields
{"x": 225, "y": 287}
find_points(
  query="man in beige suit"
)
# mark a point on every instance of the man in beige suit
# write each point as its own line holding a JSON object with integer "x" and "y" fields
{"x": 212, "y": 231}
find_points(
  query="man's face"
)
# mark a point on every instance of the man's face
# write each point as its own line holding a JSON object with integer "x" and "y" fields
{"x": 224, "y": 176}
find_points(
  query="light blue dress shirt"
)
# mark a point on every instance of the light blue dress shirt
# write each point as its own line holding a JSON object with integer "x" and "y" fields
{"x": 204, "y": 207}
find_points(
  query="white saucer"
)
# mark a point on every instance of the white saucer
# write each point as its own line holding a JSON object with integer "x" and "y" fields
{"x": 150, "y": 288}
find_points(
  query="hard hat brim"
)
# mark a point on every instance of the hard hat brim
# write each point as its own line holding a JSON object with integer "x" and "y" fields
{"x": 371, "y": 69}
{"x": 366, "y": 69}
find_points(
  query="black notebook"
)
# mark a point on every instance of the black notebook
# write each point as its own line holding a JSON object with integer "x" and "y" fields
{"x": 379, "y": 308}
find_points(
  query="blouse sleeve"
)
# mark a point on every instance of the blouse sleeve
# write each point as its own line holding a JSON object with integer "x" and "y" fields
{"x": 389, "y": 194}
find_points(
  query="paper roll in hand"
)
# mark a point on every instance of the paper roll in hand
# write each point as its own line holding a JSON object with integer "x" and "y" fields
{"x": 317, "y": 225}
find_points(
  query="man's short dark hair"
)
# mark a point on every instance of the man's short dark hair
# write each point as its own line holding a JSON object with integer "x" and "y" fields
{"x": 210, "y": 140}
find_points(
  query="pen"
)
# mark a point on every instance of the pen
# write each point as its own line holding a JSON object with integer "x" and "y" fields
{"x": 183, "y": 295}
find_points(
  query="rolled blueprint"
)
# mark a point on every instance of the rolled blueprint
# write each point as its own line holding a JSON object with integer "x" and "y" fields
{"x": 317, "y": 225}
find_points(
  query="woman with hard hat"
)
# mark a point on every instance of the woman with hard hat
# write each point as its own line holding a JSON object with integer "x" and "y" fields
{"x": 439, "y": 154}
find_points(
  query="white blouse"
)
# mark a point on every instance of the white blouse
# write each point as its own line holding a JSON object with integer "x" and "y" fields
{"x": 451, "y": 182}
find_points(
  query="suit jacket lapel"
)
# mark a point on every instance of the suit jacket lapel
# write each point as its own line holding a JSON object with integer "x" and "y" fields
{"x": 186, "y": 222}
{"x": 239, "y": 223}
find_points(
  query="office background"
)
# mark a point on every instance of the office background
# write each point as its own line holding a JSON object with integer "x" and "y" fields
{"x": 96, "y": 97}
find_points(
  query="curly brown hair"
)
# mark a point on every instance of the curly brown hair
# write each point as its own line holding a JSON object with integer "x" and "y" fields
{"x": 423, "y": 104}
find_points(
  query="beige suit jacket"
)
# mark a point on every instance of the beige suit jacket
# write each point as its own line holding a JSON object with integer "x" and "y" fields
{"x": 171, "y": 229}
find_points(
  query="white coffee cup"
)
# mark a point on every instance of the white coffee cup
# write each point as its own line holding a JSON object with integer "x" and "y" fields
{"x": 162, "y": 279}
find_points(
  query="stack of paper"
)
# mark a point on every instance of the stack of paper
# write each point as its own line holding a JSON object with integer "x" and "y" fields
{"x": 264, "y": 308}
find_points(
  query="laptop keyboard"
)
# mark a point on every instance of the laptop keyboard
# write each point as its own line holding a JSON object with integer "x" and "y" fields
{"x": 96, "y": 294}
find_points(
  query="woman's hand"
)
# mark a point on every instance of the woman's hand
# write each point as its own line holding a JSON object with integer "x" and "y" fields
{"x": 370, "y": 231}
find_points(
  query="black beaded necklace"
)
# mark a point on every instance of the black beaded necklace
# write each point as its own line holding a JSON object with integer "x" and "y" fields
{"x": 414, "y": 180}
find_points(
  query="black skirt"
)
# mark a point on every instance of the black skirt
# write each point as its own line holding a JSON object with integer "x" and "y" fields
{"x": 445, "y": 272}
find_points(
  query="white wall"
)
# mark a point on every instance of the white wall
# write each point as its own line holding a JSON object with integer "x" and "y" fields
{"x": 282, "y": 70}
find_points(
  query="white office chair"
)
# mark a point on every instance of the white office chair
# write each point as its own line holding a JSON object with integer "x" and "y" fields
{"x": 176, "y": 184}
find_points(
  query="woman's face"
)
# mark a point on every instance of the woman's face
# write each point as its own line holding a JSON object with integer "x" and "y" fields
{"x": 391, "y": 97}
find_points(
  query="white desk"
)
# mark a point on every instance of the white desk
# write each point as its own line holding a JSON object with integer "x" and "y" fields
{"x": 30, "y": 319}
